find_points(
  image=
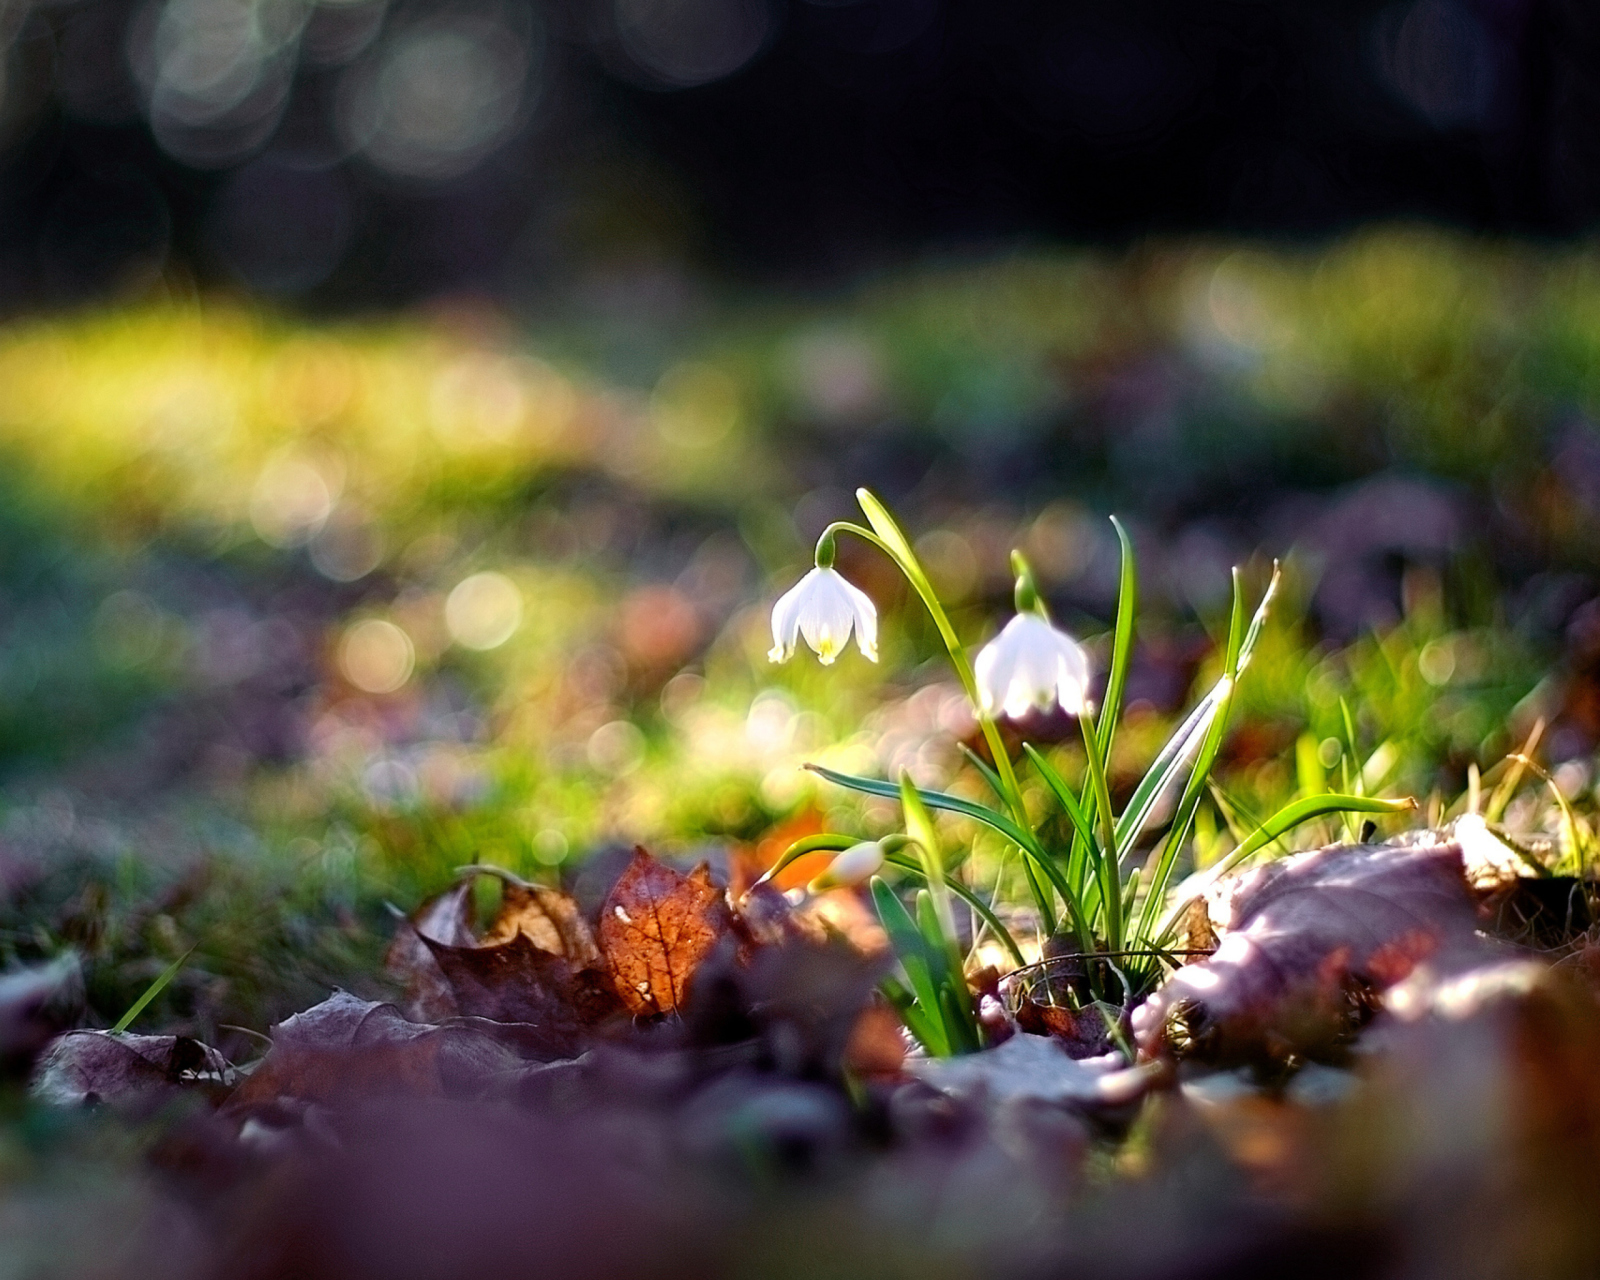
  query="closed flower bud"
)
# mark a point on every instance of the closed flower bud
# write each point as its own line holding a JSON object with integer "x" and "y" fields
{"x": 856, "y": 865}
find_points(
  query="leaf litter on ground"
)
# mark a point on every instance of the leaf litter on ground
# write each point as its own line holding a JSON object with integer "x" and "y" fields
{"x": 644, "y": 1135}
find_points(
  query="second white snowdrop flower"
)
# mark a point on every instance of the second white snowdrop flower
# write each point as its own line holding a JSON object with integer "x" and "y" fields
{"x": 1031, "y": 664}
{"x": 856, "y": 865}
{"x": 825, "y": 609}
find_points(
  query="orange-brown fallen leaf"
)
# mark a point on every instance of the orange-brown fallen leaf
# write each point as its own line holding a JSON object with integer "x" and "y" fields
{"x": 655, "y": 928}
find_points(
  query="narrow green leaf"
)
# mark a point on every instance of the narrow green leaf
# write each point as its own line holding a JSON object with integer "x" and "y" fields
{"x": 1178, "y": 831}
{"x": 982, "y": 766}
{"x": 1179, "y": 751}
{"x": 985, "y": 912}
{"x": 1122, "y": 637}
{"x": 954, "y": 1001}
{"x": 1303, "y": 810}
{"x": 919, "y": 826}
{"x": 929, "y": 1032}
{"x": 935, "y": 937}
{"x": 151, "y": 992}
{"x": 1064, "y": 795}
{"x": 1038, "y": 860}
{"x": 910, "y": 949}
{"x": 960, "y": 1028}
{"x": 934, "y": 800}
{"x": 1107, "y": 866}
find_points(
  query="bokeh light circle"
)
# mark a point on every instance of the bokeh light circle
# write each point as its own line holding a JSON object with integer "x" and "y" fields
{"x": 438, "y": 97}
{"x": 682, "y": 43}
{"x": 376, "y": 656}
{"x": 483, "y": 611}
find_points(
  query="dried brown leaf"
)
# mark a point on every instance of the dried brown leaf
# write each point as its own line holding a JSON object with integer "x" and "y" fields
{"x": 548, "y": 918}
{"x": 86, "y": 1067}
{"x": 1311, "y": 943}
{"x": 518, "y": 981}
{"x": 347, "y": 1048}
{"x": 444, "y": 919}
{"x": 655, "y": 928}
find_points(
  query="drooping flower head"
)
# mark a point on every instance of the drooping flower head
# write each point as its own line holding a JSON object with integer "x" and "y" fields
{"x": 824, "y": 608}
{"x": 1030, "y": 663}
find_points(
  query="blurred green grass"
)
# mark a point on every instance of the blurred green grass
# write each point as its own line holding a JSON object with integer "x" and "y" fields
{"x": 296, "y": 618}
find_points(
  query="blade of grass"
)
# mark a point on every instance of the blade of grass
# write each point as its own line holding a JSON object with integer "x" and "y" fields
{"x": 1571, "y": 826}
{"x": 151, "y": 992}
{"x": 1507, "y": 786}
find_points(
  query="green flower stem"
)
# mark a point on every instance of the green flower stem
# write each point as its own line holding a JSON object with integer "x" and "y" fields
{"x": 913, "y": 572}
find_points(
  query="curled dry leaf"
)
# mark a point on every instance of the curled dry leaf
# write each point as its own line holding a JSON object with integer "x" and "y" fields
{"x": 537, "y": 962}
{"x": 85, "y": 1067}
{"x": 548, "y": 918}
{"x": 446, "y": 920}
{"x": 36, "y": 1004}
{"x": 347, "y": 1048}
{"x": 655, "y": 928}
{"x": 1310, "y": 944}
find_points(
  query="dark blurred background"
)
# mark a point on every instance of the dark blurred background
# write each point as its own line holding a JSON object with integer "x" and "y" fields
{"x": 361, "y": 153}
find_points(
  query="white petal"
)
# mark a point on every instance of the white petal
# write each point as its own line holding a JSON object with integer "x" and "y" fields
{"x": 866, "y": 617}
{"x": 829, "y": 611}
{"x": 1038, "y": 667}
{"x": 786, "y": 619}
{"x": 993, "y": 670}
{"x": 1072, "y": 685}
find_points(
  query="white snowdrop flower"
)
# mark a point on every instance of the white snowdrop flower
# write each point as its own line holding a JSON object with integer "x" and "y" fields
{"x": 1031, "y": 664}
{"x": 856, "y": 865}
{"x": 823, "y": 608}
